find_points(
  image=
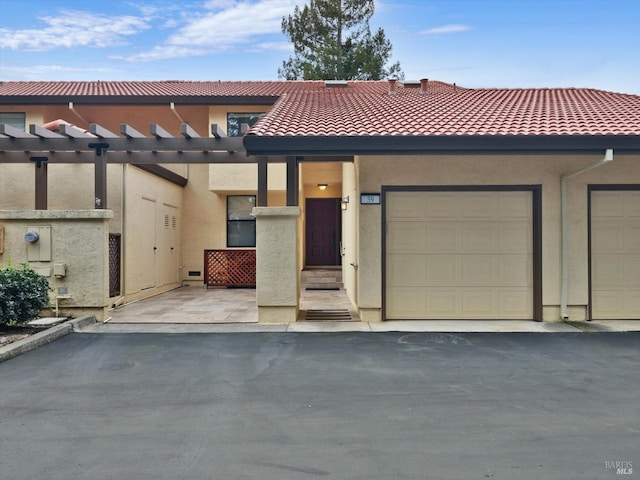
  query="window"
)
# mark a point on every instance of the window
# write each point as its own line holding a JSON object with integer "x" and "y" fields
{"x": 15, "y": 119}
{"x": 241, "y": 226}
{"x": 234, "y": 120}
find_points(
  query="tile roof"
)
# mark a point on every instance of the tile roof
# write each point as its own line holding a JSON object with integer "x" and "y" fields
{"x": 309, "y": 108}
{"x": 450, "y": 112}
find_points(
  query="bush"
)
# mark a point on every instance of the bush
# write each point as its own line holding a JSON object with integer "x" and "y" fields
{"x": 23, "y": 293}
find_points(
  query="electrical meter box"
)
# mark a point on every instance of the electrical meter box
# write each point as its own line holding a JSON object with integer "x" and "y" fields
{"x": 38, "y": 238}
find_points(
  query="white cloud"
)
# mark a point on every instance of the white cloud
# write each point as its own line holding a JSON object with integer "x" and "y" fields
{"x": 72, "y": 28}
{"x": 36, "y": 72}
{"x": 444, "y": 29}
{"x": 224, "y": 26}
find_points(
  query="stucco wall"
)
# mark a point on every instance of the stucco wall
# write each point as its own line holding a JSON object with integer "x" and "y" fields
{"x": 152, "y": 260}
{"x": 79, "y": 239}
{"x": 376, "y": 171}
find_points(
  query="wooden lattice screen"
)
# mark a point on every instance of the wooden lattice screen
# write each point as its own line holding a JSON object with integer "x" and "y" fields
{"x": 114, "y": 264}
{"x": 230, "y": 268}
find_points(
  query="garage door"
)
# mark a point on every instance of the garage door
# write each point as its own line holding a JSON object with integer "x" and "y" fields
{"x": 459, "y": 255}
{"x": 615, "y": 254}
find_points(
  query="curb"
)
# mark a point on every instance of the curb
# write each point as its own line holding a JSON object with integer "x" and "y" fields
{"x": 42, "y": 338}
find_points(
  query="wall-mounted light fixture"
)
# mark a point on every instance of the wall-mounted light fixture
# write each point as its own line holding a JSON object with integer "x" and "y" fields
{"x": 322, "y": 186}
{"x": 344, "y": 202}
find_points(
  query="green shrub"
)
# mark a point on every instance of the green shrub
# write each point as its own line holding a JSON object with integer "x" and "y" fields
{"x": 23, "y": 293}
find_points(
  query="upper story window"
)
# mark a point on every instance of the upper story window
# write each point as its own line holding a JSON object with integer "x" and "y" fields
{"x": 234, "y": 120}
{"x": 15, "y": 119}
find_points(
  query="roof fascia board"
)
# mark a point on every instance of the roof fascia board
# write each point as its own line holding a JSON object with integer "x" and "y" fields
{"x": 412, "y": 145}
{"x": 137, "y": 100}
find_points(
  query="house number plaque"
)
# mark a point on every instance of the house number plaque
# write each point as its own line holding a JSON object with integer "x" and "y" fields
{"x": 370, "y": 199}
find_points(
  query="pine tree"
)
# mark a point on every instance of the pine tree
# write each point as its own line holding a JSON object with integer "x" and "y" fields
{"x": 332, "y": 41}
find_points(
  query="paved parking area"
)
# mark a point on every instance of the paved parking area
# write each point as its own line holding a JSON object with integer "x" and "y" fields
{"x": 278, "y": 406}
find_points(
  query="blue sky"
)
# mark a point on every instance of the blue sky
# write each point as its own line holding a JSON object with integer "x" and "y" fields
{"x": 474, "y": 43}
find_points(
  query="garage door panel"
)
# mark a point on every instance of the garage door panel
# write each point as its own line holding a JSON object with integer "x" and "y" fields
{"x": 406, "y": 303}
{"x": 608, "y": 236}
{"x": 515, "y": 303}
{"x": 479, "y": 206}
{"x": 442, "y": 303}
{"x": 632, "y": 205}
{"x": 615, "y": 254}
{"x": 515, "y": 271}
{"x": 439, "y": 205}
{"x": 442, "y": 270}
{"x": 608, "y": 205}
{"x": 479, "y": 238}
{"x": 608, "y": 270}
{"x": 632, "y": 236}
{"x": 407, "y": 237}
{"x": 478, "y": 303}
{"x": 477, "y": 256}
{"x": 406, "y": 271}
{"x": 515, "y": 237}
{"x": 479, "y": 270}
{"x": 442, "y": 237}
{"x": 514, "y": 205}
{"x": 404, "y": 206}
{"x": 632, "y": 271}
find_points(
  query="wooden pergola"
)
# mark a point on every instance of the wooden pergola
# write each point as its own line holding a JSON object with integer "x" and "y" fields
{"x": 99, "y": 146}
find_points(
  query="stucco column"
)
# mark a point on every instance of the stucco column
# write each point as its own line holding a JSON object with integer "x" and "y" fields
{"x": 277, "y": 268}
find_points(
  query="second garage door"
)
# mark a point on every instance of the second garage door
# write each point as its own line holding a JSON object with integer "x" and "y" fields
{"x": 459, "y": 255}
{"x": 615, "y": 254}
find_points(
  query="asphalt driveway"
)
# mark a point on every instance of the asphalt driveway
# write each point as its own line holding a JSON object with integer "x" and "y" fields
{"x": 336, "y": 405}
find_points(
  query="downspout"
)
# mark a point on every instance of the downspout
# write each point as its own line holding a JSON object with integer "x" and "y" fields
{"x": 172, "y": 106}
{"x": 77, "y": 114}
{"x": 608, "y": 157}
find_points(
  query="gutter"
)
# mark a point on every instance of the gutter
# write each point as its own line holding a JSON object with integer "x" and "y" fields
{"x": 608, "y": 157}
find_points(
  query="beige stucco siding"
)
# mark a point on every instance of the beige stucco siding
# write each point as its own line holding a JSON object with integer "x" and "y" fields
{"x": 376, "y": 171}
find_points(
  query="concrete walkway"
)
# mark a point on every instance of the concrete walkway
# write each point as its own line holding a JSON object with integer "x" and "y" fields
{"x": 221, "y": 310}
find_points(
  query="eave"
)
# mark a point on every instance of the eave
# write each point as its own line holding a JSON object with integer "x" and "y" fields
{"x": 138, "y": 99}
{"x": 458, "y": 144}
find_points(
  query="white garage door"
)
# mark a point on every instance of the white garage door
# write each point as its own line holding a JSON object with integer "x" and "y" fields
{"x": 615, "y": 254}
{"x": 459, "y": 255}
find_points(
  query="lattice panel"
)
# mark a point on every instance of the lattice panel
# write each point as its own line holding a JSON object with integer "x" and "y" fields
{"x": 230, "y": 268}
{"x": 114, "y": 264}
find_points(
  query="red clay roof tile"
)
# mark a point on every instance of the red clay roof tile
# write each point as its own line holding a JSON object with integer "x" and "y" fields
{"x": 309, "y": 108}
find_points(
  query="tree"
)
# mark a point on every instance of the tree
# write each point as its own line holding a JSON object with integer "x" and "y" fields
{"x": 332, "y": 41}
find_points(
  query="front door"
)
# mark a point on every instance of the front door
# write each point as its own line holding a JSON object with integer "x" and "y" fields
{"x": 322, "y": 231}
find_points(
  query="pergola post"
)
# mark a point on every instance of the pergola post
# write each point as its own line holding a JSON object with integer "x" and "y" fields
{"x": 292, "y": 181}
{"x": 100, "y": 174}
{"x": 41, "y": 182}
{"x": 262, "y": 182}
{"x": 277, "y": 264}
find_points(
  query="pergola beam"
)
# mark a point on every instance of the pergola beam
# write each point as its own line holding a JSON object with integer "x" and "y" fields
{"x": 132, "y": 143}
{"x": 188, "y": 132}
{"x": 43, "y": 132}
{"x": 159, "y": 132}
{"x": 178, "y": 157}
{"x": 101, "y": 132}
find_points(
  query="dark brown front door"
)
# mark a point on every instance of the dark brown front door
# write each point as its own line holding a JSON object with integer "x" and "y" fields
{"x": 322, "y": 232}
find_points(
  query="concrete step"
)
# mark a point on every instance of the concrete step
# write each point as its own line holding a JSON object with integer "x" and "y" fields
{"x": 318, "y": 278}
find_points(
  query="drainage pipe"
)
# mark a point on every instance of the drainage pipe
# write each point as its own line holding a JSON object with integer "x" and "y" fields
{"x": 608, "y": 157}
{"x": 172, "y": 106}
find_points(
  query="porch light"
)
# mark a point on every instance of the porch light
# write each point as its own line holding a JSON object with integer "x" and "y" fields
{"x": 344, "y": 202}
{"x": 322, "y": 186}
